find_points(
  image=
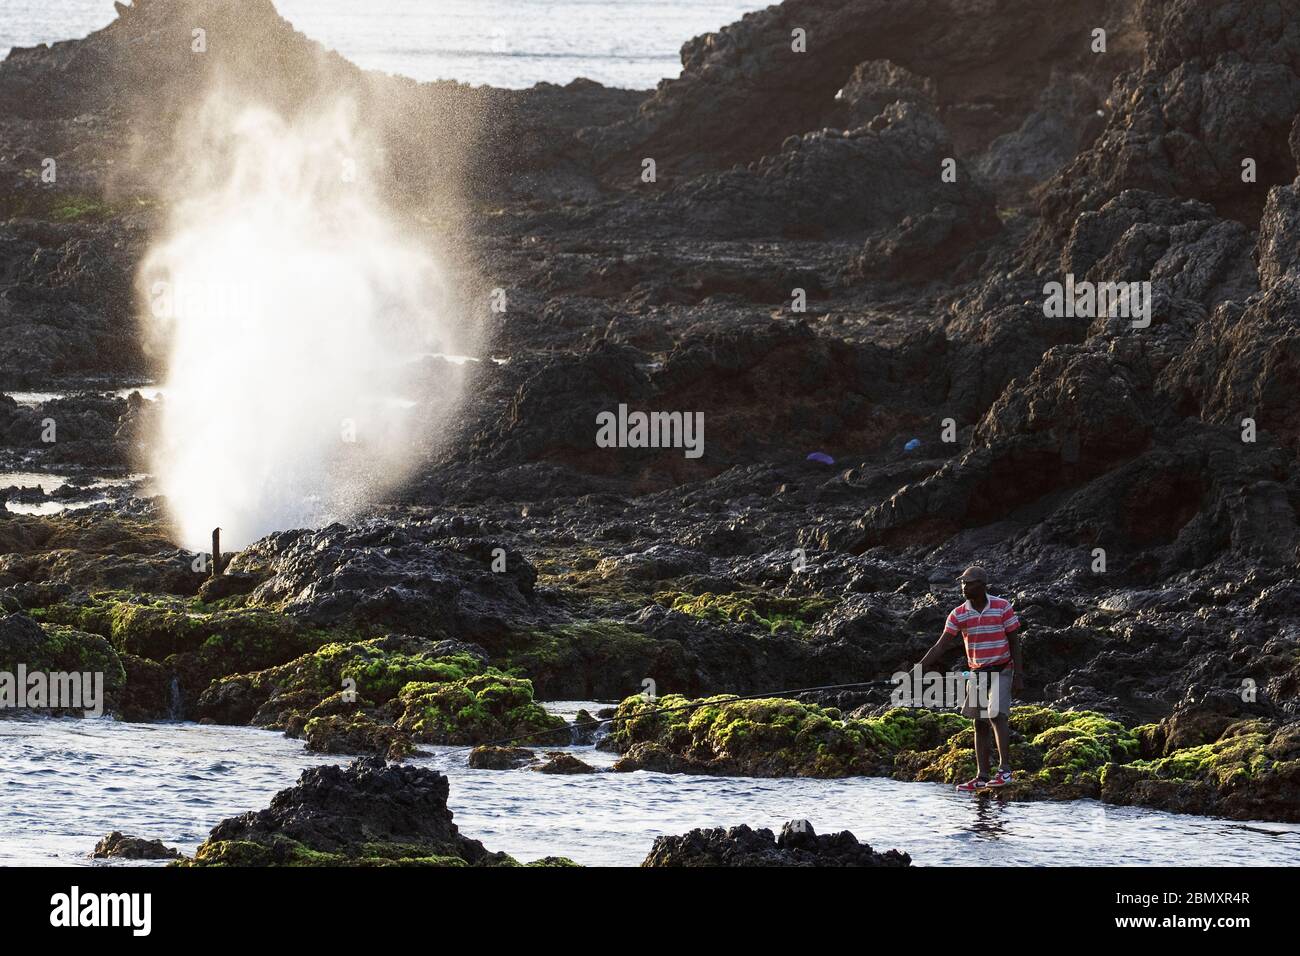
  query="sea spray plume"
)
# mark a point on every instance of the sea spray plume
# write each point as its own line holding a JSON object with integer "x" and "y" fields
{"x": 287, "y": 295}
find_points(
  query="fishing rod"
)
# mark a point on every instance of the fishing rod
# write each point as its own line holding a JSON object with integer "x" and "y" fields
{"x": 729, "y": 698}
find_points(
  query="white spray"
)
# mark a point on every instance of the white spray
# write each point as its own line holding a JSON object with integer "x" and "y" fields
{"x": 288, "y": 298}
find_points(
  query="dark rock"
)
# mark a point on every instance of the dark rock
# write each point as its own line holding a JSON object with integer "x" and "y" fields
{"x": 366, "y": 810}
{"x": 118, "y": 846}
{"x": 356, "y": 734}
{"x": 798, "y": 845}
{"x": 563, "y": 763}
{"x": 500, "y": 758}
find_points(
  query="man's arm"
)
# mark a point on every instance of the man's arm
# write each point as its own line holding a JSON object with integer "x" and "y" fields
{"x": 942, "y": 646}
{"x": 1014, "y": 631}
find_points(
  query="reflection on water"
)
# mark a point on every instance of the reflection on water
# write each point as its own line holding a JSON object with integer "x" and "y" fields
{"x": 67, "y": 783}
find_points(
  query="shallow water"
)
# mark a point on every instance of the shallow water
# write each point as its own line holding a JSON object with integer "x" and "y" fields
{"x": 50, "y": 483}
{"x": 33, "y": 399}
{"x": 507, "y": 43}
{"x": 66, "y": 783}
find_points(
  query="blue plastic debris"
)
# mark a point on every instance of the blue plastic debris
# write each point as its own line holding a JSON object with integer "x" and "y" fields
{"x": 913, "y": 445}
{"x": 821, "y": 456}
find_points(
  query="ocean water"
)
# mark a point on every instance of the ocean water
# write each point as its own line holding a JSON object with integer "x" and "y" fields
{"x": 67, "y": 783}
{"x": 508, "y": 43}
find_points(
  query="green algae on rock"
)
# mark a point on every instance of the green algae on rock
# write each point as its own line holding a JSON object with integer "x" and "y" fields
{"x": 341, "y": 694}
{"x": 356, "y": 733}
{"x": 766, "y": 738}
{"x": 771, "y": 612}
{"x": 56, "y": 649}
{"x": 1251, "y": 771}
{"x": 372, "y": 671}
{"x": 367, "y": 814}
{"x": 488, "y": 707}
{"x": 598, "y": 659}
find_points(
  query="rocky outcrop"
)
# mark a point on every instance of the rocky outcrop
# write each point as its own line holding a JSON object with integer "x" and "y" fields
{"x": 379, "y": 695}
{"x": 367, "y": 814}
{"x": 410, "y": 578}
{"x": 1218, "y": 84}
{"x": 558, "y": 762}
{"x": 61, "y": 670}
{"x": 744, "y": 89}
{"x": 356, "y": 733}
{"x": 884, "y": 177}
{"x": 1206, "y": 758}
{"x": 798, "y": 845}
{"x": 500, "y": 758}
{"x": 121, "y": 847}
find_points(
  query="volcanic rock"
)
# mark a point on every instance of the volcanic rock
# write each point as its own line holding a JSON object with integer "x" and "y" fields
{"x": 798, "y": 845}
{"x": 119, "y": 846}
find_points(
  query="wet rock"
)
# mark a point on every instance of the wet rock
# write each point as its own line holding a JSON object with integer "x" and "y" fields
{"x": 119, "y": 846}
{"x": 654, "y": 564}
{"x": 340, "y": 678}
{"x": 562, "y": 763}
{"x": 1246, "y": 767}
{"x": 487, "y": 708}
{"x": 1250, "y": 771}
{"x": 500, "y": 758}
{"x": 149, "y": 693}
{"x": 51, "y": 650}
{"x": 798, "y": 845}
{"x": 366, "y": 813}
{"x": 356, "y": 734}
{"x": 586, "y": 728}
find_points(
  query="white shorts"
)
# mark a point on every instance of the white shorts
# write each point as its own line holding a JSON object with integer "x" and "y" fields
{"x": 992, "y": 699}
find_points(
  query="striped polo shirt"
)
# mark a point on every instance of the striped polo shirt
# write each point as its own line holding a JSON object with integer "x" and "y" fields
{"x": 984, "y": 632}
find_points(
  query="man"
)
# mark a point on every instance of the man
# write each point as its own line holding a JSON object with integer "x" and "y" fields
{"x": 987, "y": 626}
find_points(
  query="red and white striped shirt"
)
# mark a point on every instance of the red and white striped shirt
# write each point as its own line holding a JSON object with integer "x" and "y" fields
{"x": 984, "y": 632}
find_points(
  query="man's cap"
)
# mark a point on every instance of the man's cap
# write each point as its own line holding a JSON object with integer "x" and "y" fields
{"x": 974, "y": 573}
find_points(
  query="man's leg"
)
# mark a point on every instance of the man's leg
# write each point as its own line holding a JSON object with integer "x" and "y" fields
{"x": 983, "y": 746}
{"x": 1002, "y": 731}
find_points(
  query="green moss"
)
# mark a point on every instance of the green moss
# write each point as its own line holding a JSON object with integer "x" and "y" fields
{"x": 379, "y": 677}
{"x": 914, "y": 729}
{"x": 66, "y": 650}
{"x": 770, "y": 612}
{"x": 57, "y": 205}
{"x": 230, "y": 639}
{"x": 1232, "y": 758}
{"x": 285, "y": 852}
{"x": 372, "y": 672}
{"x": 1032, "y": 720}
{"x": 490, "y": 707}
{"x": 594, "y": 659}
{"x": 77, "y": 208}
{"x": 769, "y": 738}
{"x": 1084, "y": 743}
